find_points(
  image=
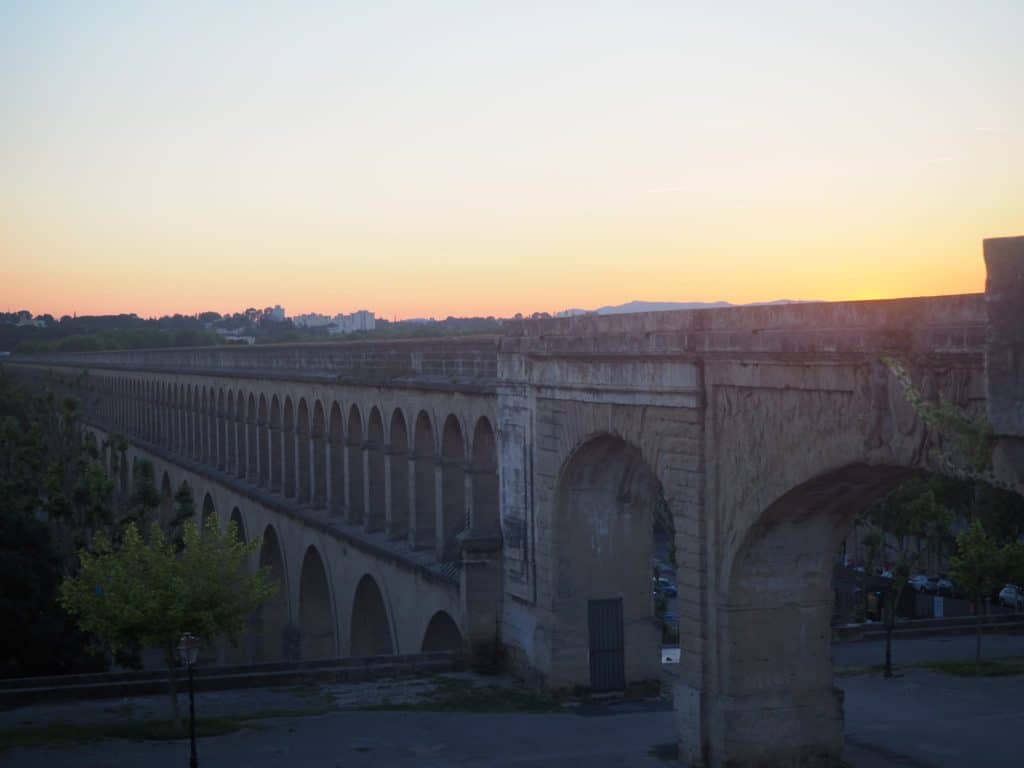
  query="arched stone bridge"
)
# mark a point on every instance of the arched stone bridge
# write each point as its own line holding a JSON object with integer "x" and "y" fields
{"x": 498, "y": 493}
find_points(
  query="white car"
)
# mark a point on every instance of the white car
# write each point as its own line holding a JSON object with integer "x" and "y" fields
{"x": 921, "y": 583}
{"x": 1012, "y": 597}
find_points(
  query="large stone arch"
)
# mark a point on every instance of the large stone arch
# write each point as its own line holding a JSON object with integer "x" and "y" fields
{"x": 453, "y": 489}
{"x": 273, "y": 614}
{"x": 375, "y": 489}
{"x": 441, "y": 634}
{"x": 371, "y": 633}
{"x": 354, "y": 447}
{"x": 603, "y": 543}
{"x": 398, "y": 523}
{"x": 486, "y": 514}
{"x": 319, "y": 456}
{"x": 336, "y": 453}
{"x": 774, "y": 620}
{"x": 316, "y": 609}
{"x": 422, "y": 532}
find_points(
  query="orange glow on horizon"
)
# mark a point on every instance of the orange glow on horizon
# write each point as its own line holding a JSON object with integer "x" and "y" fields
{"x": 414, "y": 162}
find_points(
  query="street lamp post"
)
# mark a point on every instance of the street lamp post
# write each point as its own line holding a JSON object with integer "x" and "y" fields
{"x": 188, "y": 652}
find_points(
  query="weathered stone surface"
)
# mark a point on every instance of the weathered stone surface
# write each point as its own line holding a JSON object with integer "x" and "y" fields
{"x": 1004, "y": 354}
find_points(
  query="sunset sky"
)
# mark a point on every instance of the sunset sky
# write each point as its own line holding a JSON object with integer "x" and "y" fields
{"x": 436, "y": 158}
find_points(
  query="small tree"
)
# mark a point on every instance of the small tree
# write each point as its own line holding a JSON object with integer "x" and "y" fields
{"x": 147, "y": 594}
{"x": 912, "y": 514}
{"x": 184, "y": 510}
{"x": 145, "y": 496}
{"x": 976, "y": 567}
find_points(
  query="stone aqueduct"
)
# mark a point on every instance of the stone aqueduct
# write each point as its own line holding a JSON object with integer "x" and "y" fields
{"x": 496, "y": 494}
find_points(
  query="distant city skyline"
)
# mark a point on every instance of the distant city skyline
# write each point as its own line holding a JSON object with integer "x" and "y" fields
{"x": 474, "y": 161}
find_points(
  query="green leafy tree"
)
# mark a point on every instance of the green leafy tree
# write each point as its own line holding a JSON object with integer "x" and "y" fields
{"x": 184, "y": 510}
{"x": 146, "y": 593}
{"x": 920, "y": 523}
{"x": 38, "y": 637}
{"x": 873, "y": 543}
{"x": 145, "y": 497}
{"x": 977, "y": 567}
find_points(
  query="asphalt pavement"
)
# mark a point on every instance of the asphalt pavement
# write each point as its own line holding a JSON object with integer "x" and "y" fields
{"x": 920, "y": 719}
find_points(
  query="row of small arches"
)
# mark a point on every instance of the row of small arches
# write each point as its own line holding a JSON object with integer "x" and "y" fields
{"x": 373, "y": 470}
{"x": 277, "y": 633}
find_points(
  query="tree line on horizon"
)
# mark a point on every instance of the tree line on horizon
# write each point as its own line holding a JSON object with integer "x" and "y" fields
{"x": 24, "y": 333}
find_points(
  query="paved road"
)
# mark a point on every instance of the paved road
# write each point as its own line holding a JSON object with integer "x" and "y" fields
{"x": 919, "y": 719}
{"x": 924, "y": 719}
{"x": 400, "y": 739}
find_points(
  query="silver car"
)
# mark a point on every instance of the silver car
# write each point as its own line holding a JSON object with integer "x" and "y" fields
{"x": 1011, "y": 597}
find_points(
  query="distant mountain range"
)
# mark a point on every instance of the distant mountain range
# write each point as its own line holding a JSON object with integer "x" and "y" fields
{"x": 664, "y": 306}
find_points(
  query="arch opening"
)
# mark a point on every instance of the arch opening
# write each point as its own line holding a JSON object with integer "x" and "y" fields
{"x": 453, "y": 490}
{"x": 316, "y": 615}
{"x": 398, "y": 522}
{"x": 276, "y": 449}
{"x": 272, "y": 618}
{"x": 336, "y": 451}
{"x": 775, "y": 610}
{"x": 319, "y": 457}
{"x": 355, "y": 465}
{"x": 371, "y": 630}
{"x": 376, "y": 494}
{"x": 209, "y": 513}
{"x": 486, "y": 517}
{"x": 605, "y": 632}
{"x": 303, "y": 479}
{"x": 230, "y": 435}
{"x": 221, "y": 434}
{"x": 263, "y": 437}
{"x": 244, "y": 651}
{"x": 424, "y": 524}
{"x": 442, "y": 634}
{"x": 288, "y": 441}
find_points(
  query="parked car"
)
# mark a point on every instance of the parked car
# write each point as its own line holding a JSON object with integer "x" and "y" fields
{"x": 921, "y": 583}
{"x": 1012, "y": 597}
{"x": 886, "y": 574}
{"x": 944, "y": 586}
